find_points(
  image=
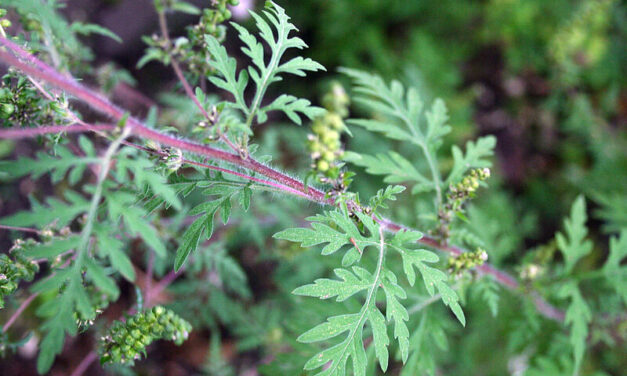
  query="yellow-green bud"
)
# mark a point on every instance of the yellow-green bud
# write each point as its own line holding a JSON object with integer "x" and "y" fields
{"x": 323, "y": 165}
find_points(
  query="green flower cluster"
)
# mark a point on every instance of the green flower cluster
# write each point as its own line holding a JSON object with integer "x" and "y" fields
{"x": 464, "y": 190}
{"x": 4, "y": 22}
{"x": 456, "y": 198}
{"x": 324, "y": 144}
{"x": 193, "y": 49}
{"x": 21, "y": 104}
{"x": 15, "y": 269}
{"x": 126, "y": 341}
{"x": 195, "y": 52}
{"x": 457, "y": 265}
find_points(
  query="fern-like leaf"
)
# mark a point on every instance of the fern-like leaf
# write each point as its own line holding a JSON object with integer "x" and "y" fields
{"x": 578, "y": 317}
{"x": 573, "y": 245}
{"x": 615, "y": 273}
{"x": 222, "y": 191}
{"x": 274, "y": 31}
{"x": 336, "y": 230}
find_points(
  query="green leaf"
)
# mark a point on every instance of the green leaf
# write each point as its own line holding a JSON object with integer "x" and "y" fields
{"x": 298, "y": 65}
{"x": 402, "y": 107}
{"x": 111, "y": 247}
{"x": 394, "y": 166}
{"x": 224, "y": 190}
{"x": 433, "y": 278}
{"x": 274, "y": 30}
{"x": 333, "y": 327}
{"x": 57, "y": 165}
{"x": 616, "y": 274}
{"x": 612, "y": 210}
{"x": 397, "y": 313}
{"x": 578, "y": 316}
{"x": 144, "y": 173}
{"x": 87, "y": 29}
{"x": 226, "y": 67}
{"x": 476, "y": 157}
{"x": 399, "y": 116}
{"x": 100, "y": 278}
{"x": 351, "y": 283}
{"x": 488, "y": 290}
{"x": 61, "y": 318}
{"x": 573, "y": 245}
{"x": 54, "y": 212}
{"x": 189, "y": 241}
{"x": 184, "y": 7}
{"x": 120, "y": 203}
{"x": 53, "y": 248}
{"x": 291, "y": 106}
{"x": 380, "y": 336}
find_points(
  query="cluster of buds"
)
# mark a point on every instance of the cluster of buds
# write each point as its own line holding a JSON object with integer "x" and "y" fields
{"x": 126, "y": 341}
{"x": 531, "y": 271}
{"x": 20, "y": 103}
{"x": 171, "y": 158}
{"x": 457, "y": 196}
{"x": 457, "y": 265}
{"x": 324, "y": 144}
{"x": 191, "y": 49}
{"x": 196, "y": 53}
{"x": 210, "y": 21}
{"x": 15, "y": 269}
{"x": 459, "y": 193}
{"x": 4, "y": 22}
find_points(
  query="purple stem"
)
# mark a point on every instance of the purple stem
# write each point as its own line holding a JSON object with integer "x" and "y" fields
{"x": 18, "y": 312}
{"x": 15, "y": 228}
{"x": 103, "y": 105}
{"x": 12, "y": 133}
{"x": 85, "y": 363}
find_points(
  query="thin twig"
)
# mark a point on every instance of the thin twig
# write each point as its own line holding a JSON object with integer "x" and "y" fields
{"x": 18, "y": 312}
{"x": 163, "y": 25}
{"x": 149, "y": 270}
{"x": 85, "y": 363}
{"x": 16, "y": 228}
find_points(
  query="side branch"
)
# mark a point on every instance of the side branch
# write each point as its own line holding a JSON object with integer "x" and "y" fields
{"x": 34, "y": 67}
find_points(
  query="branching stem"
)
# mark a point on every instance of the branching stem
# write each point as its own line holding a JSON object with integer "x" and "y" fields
{"x": 163, "y": 25}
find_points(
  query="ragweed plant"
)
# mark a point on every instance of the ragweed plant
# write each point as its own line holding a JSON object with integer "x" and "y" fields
{"x": 136, "y": 205}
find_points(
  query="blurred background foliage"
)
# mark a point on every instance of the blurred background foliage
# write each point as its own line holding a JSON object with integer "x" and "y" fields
{"x": 547, "y": 78}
